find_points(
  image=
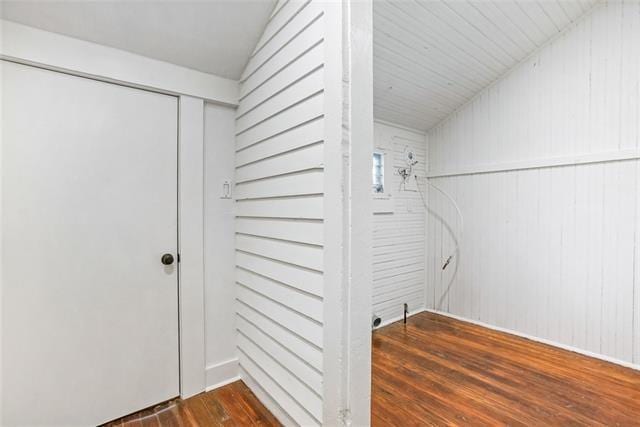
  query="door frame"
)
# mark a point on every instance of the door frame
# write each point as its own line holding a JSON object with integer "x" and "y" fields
{"x": 23, "y": 45}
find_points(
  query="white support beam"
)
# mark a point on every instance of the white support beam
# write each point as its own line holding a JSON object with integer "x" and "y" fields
{"x": 334, "y": 286}
{"x": 348, "y": 213}
{"x": 359, "y": 36}
{"x": 31, "y": 46}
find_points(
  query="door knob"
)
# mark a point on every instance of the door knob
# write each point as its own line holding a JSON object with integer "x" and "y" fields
{"x": 167, "y": 259}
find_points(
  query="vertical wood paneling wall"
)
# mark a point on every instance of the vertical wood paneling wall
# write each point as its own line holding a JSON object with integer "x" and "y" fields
{"x": 279, "y": 222}
{"x": 398, "y": 236}
{"x": 430, "y": 57}
{"x": 553, "y": 252}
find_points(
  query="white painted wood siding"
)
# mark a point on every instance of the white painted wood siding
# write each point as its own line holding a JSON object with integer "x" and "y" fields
{"x": 398, "y": 236}
{"x": 430, "y": 57}
{"x": 552, "y": 252}
{"x": 279, "y": 214}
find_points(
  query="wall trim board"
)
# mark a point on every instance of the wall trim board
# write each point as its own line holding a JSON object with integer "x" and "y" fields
{"x": 191, "y": 245}
{"x": 1, "y": 222}
{"x": 552, "y": 162}
{"x": 540, "y": 340}
{"x": 418, "y": 132}
{"x": 31, "y": 46}
{"x": 427, "y": 227}
{"x": 222, "y": 373}
{"x": 636, "y": 272}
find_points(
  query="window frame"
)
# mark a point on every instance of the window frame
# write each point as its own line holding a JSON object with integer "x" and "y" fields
{"x": 380, "y": 154}
{"x": 382, "y": 202}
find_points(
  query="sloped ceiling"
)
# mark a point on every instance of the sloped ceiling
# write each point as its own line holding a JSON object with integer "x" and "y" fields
{"x": 431, "y": 56}
{"x": 214, "y": 36}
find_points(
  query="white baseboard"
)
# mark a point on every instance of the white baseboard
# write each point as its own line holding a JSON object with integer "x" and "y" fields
{"x": 398, "y": 318}
{"x": 541, "y": 340}
{"x": 222, "y": 373}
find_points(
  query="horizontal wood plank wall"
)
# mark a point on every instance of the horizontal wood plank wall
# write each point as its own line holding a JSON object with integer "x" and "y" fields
{"x": 550, "y": 251}
{"x": 398, "y": 237}
{"x": 279, "y": 208}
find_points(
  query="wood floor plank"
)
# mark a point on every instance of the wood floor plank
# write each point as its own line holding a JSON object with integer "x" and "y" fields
{"x": 232, "y": 404}
{"x": 476, "y": 376}
{"x": 442, "y": 371}
{"x": 533, "y": 357}
{"x": 150, "y": 420}
{"x": 186, "y": 417}
{"x": 168, "y": 417}
{"x": 201, "y": 412}
{"x": 258, "y": 413}
{"x": 229, "y": 406}
{"x": 216, "y": 408}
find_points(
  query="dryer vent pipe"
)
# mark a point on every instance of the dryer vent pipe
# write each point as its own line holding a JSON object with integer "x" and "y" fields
{"x": 375, "y": 321}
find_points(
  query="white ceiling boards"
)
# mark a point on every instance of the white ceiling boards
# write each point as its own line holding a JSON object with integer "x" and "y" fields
{"x": 214, "y": 36}
{"x": 431, "y": 57}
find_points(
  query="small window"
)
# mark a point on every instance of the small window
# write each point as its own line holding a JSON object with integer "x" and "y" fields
{"x": 378, "y": 173}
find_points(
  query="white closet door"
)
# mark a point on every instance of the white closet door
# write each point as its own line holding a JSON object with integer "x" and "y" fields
{"x": 90, "y": 314}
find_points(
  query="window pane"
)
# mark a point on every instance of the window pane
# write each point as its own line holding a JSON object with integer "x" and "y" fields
{"x": 378, "y": 173}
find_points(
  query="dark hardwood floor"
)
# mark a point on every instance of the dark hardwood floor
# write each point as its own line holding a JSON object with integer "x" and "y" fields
{"x": 231, "y": 405}
{"x": 440, "y": 371}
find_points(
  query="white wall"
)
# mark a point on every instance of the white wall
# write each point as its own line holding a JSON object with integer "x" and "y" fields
{"x": 219, "y": 245}
{"x": 280, "y": 133}
{"x": 548, "y": 251}
{"x": 399, "y": 230}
